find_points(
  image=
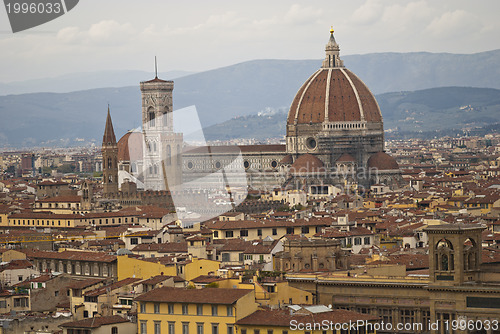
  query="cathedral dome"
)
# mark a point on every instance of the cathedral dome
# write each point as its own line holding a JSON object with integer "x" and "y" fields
{"x": 382, "y": 161}
{"x": 333, "y": 94}
{"x": 307, "y": 163}
{"x": 130, "y": 146}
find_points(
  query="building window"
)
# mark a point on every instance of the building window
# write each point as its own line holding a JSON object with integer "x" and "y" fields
{"x": 170, "y": 309}
{"x": 256, "y": 331}
{"x": 199, "y": 328}
{"x": 143, "y": 307}
{"x": 357, "y": 241}
{"x": 156, "y": 308}
{"x": 184, "y": 309}
{"x": 157, "y": 326}
{"x": 214, "y": 310}
{"x": 367, "y": 240}
{"x": 305, "y": 229}
{"x": 230, "y": 329}
{"x": 225, "y": 257}
{"x": 185, "y": 328}
{"x": 215, "y": 328}
{"x": 289, "y": 230}
{"x": 171, "y": 327}
{"x": 229, "y": 234}
{"x": 269, "y": 331}
{"x": 144, "y": 327}
{"x": 199, "y": 309}
{"x": 243, "y": 233}
{"x": 259, "y": 232}
{"x": 243, "y": 331}
{"x": 216, "y": 234}
{"x": 229, "y": 311}
{"x": 275, "y": 231}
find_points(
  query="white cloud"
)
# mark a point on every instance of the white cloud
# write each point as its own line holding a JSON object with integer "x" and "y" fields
{"x": 298, "y": 14}
{"x": 453, "y": 23}
{"x": 68, "y": 35}
{"x": 109, "y": 31}
{"x": 368, "y": 13}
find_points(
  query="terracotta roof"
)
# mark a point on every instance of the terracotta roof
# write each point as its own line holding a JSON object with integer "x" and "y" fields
{"x": 382, "y": 161}
{"x": 348, "y": 99}
{"x": 307, "y": 163}
{"x": 85, "y": 283}
{"x": 130, "y": 146}
{"x": 203, "y": 296}
{"x": 68, "y": 198}
{"x": 169, "y": 247}
{"x": 52, "y": 183}
{"x": 346, "y": 157}
{"x": 16, "y": 264}
{"x": 111, "y": 287}
{"x": 158, "y": 279}
{"x": 282, "y": 318}
{"x": 287, "y": 160}
{"x": 70, "y": 255}
{"x": 95, "y": 322}
{"x": 156, "y": 79}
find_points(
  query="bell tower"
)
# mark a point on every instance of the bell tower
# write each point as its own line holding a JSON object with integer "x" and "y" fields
{"x": 454, "y": 253}
{"x": 162, "y": 163}
{"x": 109, "y": 159}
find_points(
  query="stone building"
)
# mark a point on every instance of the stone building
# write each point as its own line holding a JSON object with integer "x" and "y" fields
{"x": 305, "y": 254}
{"x": 74, "y": 263}
{"x": 458, "y": 287}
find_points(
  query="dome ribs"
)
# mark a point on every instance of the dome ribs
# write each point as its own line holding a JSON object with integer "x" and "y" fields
{"x": 311, "y": 106}
{"x": 370, "y": 105}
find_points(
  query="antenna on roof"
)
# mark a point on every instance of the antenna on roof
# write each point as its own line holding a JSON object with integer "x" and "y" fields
{"x": 156, "y": 69}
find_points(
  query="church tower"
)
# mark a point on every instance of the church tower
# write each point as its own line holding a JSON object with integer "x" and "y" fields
{"x": 454, "y": 253}
{"x": 109, "y": 159}
{"x": 162, "y": 164}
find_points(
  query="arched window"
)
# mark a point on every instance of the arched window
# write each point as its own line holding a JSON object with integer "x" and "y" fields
{"x": 445, "y": 259}
{"x": 110, "y": 163}
{"x": 151, "y": 117}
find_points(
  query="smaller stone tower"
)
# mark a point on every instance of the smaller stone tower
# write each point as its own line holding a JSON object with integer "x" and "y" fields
{"x": 454, "y": 253}
{"x": 109, "y": 159}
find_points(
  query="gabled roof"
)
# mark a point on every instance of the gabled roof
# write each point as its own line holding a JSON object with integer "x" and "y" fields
{"x": 203, "y": 296}
{"x": 95, "y": 322}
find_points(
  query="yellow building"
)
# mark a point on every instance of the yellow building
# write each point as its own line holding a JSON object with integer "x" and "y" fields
{"x": 43, "y": 219}
{"x": 61, "y": 205}
{"x": 141, "y": 268}
{"x": 269, "y": 290}
{"x": 261, "y": 229}
{"x": 195, "y": 311}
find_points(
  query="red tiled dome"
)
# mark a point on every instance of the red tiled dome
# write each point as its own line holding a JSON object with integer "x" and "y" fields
{"x": 287, "y": 159}
{"x": 334, "y": 95}
{"x": 307, "y": 163}
{"x": 382, "y": 161}
{"x": 130, "y": 147}
{"x": 346, "y": 157}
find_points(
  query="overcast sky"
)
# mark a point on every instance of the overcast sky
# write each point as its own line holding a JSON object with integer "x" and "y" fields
{"x": 200, "y": 35}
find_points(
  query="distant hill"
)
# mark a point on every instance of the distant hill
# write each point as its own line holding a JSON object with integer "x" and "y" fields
{"x": 241, "y": 90}
{"x": 83, "y": 81}
{"x": 429, "y": 110}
